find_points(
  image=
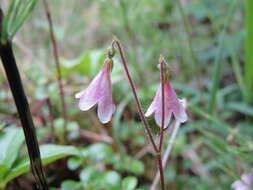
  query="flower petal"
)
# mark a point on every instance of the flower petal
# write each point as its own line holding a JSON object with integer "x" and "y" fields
{"x": 154, "y": 105}
{"x": 105, "y": 105}
{"x": 92, "y": 94}
{"x": 179, "y": 112}
{"x": 79, "y": 94}
{"x": 158, "y": 118}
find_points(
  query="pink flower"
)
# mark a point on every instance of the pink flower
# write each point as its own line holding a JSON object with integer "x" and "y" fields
{"x": 245, "y": 183}
{"x": 172, "y": 105}
{"x": 99, "y": 92}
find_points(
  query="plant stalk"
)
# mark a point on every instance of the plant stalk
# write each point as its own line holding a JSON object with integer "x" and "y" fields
{"x": 14, "y": 79}
{"x": 139, "y": 107}
{"x": 163, "y": 103}
{"x": 57, "y": 65}
{"x": 160, "y": 164}
{"x": 167, "y": 153}
{"x": 140, "y": 110}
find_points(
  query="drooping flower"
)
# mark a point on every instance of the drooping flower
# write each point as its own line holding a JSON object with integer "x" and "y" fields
{"x": 99, "y": 92}
{"x": 172, "y": 105}
{"x": 245, "y": 183}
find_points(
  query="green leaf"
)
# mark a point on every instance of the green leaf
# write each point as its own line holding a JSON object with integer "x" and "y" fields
{"x": 129, "y": 183}
{"x": 87, "y": 64}
{"x": 74, "y": 163}
{"x": 143, "y": 188}
{"x": 136, "y": 167}
{"x": 17, "y": 13}
{"x": 248, "y": 67}
{"x": 10, "y": 144}
{"x": 71, "y": 185}
{"x": 131, "y": 165}
{"x": 100, "y": 152}
{"x": 240, "y": 107}
{"x": 218, "y": 65}
{"x": 88, "y": 174}
{"x": 111, "y": 180}
{"x": 49, "y": 153}
{"x": 20, "y": 18}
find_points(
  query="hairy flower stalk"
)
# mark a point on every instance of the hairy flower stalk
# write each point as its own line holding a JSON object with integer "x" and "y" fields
{"x": 99, "y": 92}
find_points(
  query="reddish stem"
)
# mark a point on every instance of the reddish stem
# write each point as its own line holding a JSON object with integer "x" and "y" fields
{"x": 163, "y": 103}
{"x": 135, "y": 95}
{"x": 140, "y": 110}
{"x": 160, "y": 164}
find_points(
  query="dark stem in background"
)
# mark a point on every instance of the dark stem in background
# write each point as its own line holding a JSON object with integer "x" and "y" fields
{"x": 57, "y": 65}
{"x": 50, "y": 110}
{"x": 14, "y": 79}
{"x": 140, "y": 110}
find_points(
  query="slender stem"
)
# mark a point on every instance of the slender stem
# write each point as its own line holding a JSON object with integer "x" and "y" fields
{"x": 57, "y": 65}
{"x": 52, "y": 127}
{"x": 139, "y": 107}
{"x": 163, "y": 104}
{"x": 160, "y": 164}
{"x": 166, "y": 153}
{"x": 14, "y": 79}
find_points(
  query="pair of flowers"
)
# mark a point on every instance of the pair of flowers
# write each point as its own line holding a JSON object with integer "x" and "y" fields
{"x": 99, "y": 92}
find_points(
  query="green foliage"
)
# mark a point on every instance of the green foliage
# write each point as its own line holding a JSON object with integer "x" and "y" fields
{"x": 10, "y": 143}
{"x": 87, "y": 64}
{"x": 13, "y": 165}
{"x": 218, "y": 61}
{"x": 212, "y": 149}
{"x": 97, "y": 156}
{"x": 248, "y": 68}
{"x": 17, "y": 13}
{"x": 129, "y": 183}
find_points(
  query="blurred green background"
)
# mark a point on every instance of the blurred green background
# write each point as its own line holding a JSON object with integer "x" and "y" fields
{"x": 207, "y": 44}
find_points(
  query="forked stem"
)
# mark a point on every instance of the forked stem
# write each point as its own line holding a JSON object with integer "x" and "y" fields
{"x": 140, "y": 110}
{"x": 167, "y": 152}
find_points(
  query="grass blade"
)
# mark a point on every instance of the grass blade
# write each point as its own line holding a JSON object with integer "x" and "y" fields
{"x": 248, "y": 68}
{"x": 218, "y": 62}
{"x": 21, "y": 18}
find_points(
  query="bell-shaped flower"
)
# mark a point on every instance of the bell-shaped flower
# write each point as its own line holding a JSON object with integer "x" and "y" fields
{"x": 245, "y": 183}
{"x": 172, "y": 105}
{"x": 99, "y": 92}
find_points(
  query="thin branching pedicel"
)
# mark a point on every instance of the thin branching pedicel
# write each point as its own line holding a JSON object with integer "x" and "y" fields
{"x": 140, "y": 110}
{"x": 164, "y": 104}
